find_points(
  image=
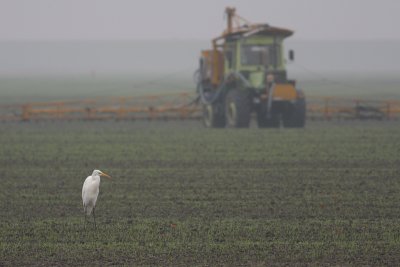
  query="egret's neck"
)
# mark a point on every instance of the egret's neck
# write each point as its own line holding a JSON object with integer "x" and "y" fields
{"x": 95, "y": 177}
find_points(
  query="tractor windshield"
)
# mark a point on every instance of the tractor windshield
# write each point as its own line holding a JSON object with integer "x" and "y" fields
{"x": 263, "y": 55}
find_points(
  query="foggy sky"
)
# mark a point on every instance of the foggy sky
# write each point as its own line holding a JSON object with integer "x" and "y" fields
{"x": 189, "y": 19}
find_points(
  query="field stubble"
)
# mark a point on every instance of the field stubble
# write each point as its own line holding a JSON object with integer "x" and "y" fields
{"x": 184, "y": 195}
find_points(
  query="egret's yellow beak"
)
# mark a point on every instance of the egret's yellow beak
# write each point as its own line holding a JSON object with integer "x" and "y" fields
{"x": 105, "y": 174}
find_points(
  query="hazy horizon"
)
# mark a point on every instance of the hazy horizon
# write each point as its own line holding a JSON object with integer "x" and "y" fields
{"x": 114, "y": 57}
{"x": 47, "y": 71}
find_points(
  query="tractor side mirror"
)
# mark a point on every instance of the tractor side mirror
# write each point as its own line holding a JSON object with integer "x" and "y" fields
{"x": 291, "y": 55}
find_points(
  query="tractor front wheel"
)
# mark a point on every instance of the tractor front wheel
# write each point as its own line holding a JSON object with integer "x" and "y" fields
{"x": 237, "y": 109}
{"x": 213, "y": 116}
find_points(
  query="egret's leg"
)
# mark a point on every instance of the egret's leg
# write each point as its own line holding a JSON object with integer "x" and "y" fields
{"x": 84, "y": 214}
{"x": 94, "y": 217}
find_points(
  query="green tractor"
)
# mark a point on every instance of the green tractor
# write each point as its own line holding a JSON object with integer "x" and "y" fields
{"x": 244, "y": 74}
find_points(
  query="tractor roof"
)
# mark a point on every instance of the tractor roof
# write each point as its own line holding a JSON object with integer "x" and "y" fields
{"x": 257, "y": 29}
{"x": 238, "y": 27}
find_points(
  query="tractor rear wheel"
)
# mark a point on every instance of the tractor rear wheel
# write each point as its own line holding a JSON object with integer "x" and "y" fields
{"x": 213, "y": 116}
{"x": 237, "y": 109}
{"x": 295, "y": 116}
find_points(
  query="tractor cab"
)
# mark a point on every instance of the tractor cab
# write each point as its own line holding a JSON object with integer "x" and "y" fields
{"x": 256, "y": 57}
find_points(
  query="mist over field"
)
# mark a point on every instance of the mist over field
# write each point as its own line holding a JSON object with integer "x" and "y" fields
{"x": 48, "y": 70}
{"x": 130, "y": 57}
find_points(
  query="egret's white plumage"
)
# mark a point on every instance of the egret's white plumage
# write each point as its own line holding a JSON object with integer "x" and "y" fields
{"x": 90, "y": 192}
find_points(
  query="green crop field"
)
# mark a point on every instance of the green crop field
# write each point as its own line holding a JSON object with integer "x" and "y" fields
{"x": 182, "y": 195}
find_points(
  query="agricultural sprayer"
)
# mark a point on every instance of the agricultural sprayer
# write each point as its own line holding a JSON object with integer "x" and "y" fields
{"x": 244, "y": 73}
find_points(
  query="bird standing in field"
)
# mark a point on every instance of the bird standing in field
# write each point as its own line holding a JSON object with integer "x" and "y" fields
{"x": 90, "y": 192}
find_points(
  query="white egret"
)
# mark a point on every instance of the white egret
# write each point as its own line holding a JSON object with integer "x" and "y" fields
{"x": 90, "y": 192}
